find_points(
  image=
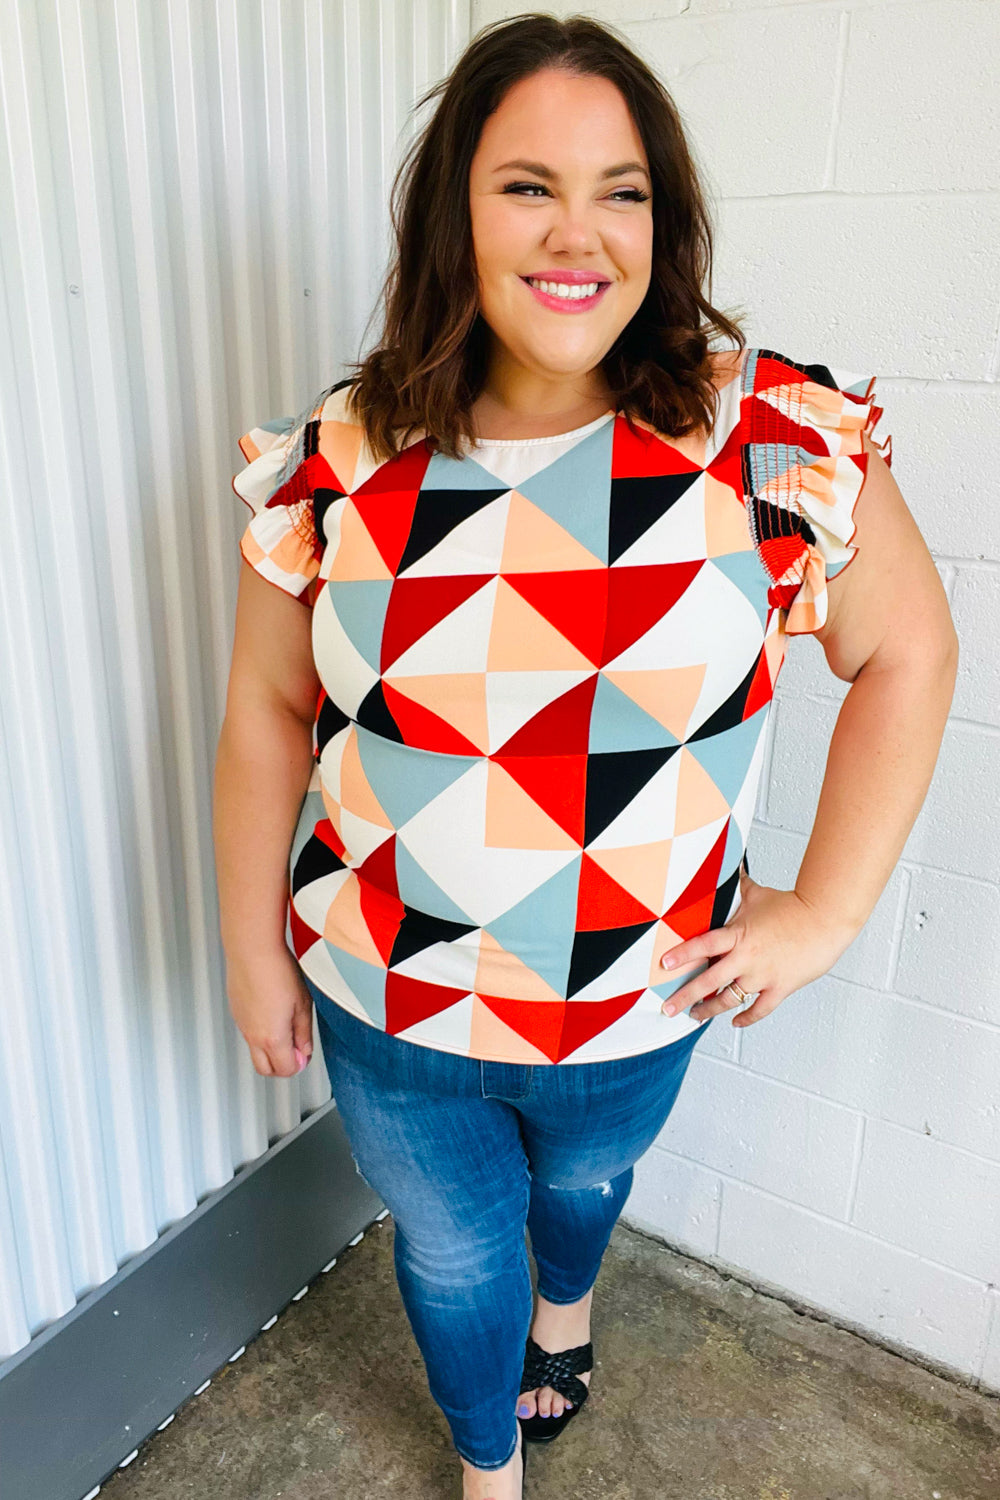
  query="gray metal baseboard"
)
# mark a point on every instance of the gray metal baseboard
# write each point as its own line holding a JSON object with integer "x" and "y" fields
{"x": 96, "y": 1383}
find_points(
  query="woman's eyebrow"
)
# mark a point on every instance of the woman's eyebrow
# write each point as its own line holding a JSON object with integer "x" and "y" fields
{"x": 541, "y": 170}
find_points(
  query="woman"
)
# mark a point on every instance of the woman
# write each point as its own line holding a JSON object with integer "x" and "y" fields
{"x": 549, "y": 546}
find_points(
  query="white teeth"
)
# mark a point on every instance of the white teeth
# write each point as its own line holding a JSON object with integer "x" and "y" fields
{"x": 562, "y": 289}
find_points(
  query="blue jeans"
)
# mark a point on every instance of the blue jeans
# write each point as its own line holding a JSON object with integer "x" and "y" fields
{"x": 465, "y": 1154}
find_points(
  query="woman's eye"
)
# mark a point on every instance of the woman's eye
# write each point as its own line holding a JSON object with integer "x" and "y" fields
{"x": 635, "y": 195}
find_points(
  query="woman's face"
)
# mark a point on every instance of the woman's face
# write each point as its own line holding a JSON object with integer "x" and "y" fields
{"x": 544, "y": 202}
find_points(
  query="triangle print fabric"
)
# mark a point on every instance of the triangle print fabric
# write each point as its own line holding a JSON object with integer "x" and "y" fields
{"x": 546, "y": 669}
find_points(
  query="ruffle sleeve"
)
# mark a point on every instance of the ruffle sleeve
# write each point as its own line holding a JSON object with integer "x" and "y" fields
{"x": 804, "y": 466}
{"x": 280, "y": 539}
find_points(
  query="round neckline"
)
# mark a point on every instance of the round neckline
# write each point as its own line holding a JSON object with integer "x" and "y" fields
{"x": 555, "y": 437}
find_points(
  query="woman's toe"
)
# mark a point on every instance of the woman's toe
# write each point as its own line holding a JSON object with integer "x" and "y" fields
{"x": 526, "y": 1404}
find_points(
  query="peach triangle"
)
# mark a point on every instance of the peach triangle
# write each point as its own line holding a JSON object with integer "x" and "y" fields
{"x": 668, "y": 695}
{"x": 457, "y": 697}
{"x": 355, "y": 792}
{"x": 345, "y": 926}
{"x": 534, "y": 543}
{"x": 699, "y": 800}
{"x": 357, "y": 558}
{"x": 503, "y": 973}
{"x": 726, "y": 527}
{"x": 522, "y": 640}
{"x": 514, "y": 820}
{"x": 640, "y": 869}
{"x": 665, "y": 938}
{"x": 340, "y": 444}
{"x": 491, "y": 1037}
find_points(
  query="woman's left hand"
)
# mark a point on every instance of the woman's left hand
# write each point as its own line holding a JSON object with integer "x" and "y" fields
{"x": 773, "y": 945}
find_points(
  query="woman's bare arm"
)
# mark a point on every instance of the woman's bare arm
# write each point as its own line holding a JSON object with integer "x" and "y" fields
{"x": 262, "y": 768}
{"x": 890, "y": 634}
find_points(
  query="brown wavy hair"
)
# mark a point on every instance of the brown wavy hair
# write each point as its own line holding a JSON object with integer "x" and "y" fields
{"x": 430, "y": 361}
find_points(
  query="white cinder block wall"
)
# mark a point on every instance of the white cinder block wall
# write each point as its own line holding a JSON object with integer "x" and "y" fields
{"x": 845, "y": 1151}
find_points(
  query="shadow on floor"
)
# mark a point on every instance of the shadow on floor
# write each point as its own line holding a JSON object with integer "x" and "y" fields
{"x": 703, "y": 1390}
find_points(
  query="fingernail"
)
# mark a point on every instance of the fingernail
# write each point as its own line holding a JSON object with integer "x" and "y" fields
{"x": 668, "y": 1010}
{"x": 301, "y": 1059}
{"x": 667, "y": 962}
{"x": 522, "y": 1411}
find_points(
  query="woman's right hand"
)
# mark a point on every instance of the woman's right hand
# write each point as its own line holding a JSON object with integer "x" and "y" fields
{"x": 273, "y": 1010}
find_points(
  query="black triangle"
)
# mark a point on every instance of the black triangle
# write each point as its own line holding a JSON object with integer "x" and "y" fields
{"x": 773, "y": 521}
{"x": 374, "y": 715}
{"x": 730, "y": 713}
{"x": 329, "y": 721}
{"x": 594, "y": 952}
{"x": 322, "y": 500}
{"x": 437, "y": 512}
{"x": 637, "y": 503}
{"x": 418, "y": 930}
{"x": 724, "y": 898}
{"x": 315, "y": 860}
{"x": 613, "y": 778}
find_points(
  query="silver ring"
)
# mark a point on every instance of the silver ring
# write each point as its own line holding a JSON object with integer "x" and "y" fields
{"x": 741, "y": 994}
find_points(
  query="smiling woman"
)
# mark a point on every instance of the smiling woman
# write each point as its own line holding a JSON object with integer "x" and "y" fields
{"x": 552, "y": 541}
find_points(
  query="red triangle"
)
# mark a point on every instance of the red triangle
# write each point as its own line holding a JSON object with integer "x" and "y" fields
{"x": 540, "y": 1022}
{"x": 587, "y": 1018}
{"x": 602, "y": 902}
{"x": 325, "y": 831}
{"x": 303, "y": 936}
{"x": 691, "y": 913}
{"x": 408, "y": 1001}
{"x": 778, "y": 553}
{"x": 564, "y": 724}
{"x": 761, "y": 689}
{"x": 638, "y": 597}
{"x": 387, "y": 499}
{"x": 575, "y": 602}
{"x": 423, "y": 729}
{"x": 558, "y": 783}
{"x": 379, "y": 869}
{"x": 727, "y": 465}
{"x": 416, "y": 605}
{"x": 383, "y": 914}
{"x": 388, "y": 518}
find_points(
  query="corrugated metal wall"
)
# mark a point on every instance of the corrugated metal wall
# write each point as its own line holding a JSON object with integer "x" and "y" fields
{"x": 193, "y": 227}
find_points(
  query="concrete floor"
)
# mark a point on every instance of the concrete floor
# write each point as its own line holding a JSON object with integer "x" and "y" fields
{"x": 703, "y": 1390}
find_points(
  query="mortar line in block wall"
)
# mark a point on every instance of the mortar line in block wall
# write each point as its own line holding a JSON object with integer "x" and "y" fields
{"x": 827, "y": 1219}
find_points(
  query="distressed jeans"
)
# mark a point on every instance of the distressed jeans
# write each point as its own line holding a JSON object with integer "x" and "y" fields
{"x": 466, "y": 1155}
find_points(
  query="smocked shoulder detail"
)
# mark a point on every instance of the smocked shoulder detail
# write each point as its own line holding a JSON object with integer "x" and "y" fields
{"x": 804, "y": 465}
{"x": 280, "y": 540}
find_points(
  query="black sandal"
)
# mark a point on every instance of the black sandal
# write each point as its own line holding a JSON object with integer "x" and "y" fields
{"x": 559, "y": 1371}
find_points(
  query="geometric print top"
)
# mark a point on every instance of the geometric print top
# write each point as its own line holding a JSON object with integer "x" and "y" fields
{"x": 546, "y": 670}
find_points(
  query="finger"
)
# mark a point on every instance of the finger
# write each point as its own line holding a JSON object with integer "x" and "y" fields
{"x": 703, "y": 987}
{"x": 261, "y": 1061}
{"x": 302, "y": 1032}
{"x": 709, "y": 944}
{"x": 762, "y": 1006}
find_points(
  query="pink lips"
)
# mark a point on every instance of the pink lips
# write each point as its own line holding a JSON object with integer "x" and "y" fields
{"x": 566, "y": 304}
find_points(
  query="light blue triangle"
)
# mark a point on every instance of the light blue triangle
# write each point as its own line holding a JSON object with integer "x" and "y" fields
{"x": 443, "y": 473}
{"x": 747, "y": 572}
{"x": 540, "y": 929}
{"x": 616, "y": 723}
{"x": 726, "y": 756}
{"x": 361, "y": 609}
{"x": 418, "y": 890}
{"x": 404, "y": 780}
{"x": 575, "y": 490}
{"x": 734, "y": 848}
{"x": 367, "y": 983}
